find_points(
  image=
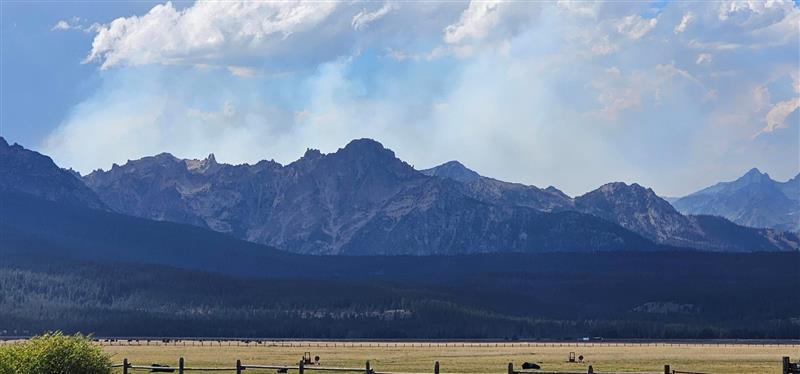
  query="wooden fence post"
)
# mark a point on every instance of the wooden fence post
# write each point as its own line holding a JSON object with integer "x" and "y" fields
{"x": 510, "y": 368}
{"x": 180, "y": 365}
{"x": 238, "y": 366}
{"x": 786, "y": 365}
{"x": 368, "y": 371}
{"x": 125, "y": 366}
{"x": 301, "y": 368}
{"x": 666, "y": 369}
{"x": 591, "y": 370}
{"x": 436, "y": 368}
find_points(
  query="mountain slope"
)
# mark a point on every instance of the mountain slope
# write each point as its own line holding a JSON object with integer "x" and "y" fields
{"x": 494, "y": 191}
{"x": 437, "y": 218}
{"x": 48, "y": 230}
{"x": 753, "y": 200}
{"x": 640, "y": 210}
{"x": 31, "y": 172}
{"x": 633, "y": 207}
{"x": 359, "y": 200}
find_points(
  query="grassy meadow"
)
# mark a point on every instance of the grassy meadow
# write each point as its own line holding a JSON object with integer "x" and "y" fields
{"x": 473, "y": 358}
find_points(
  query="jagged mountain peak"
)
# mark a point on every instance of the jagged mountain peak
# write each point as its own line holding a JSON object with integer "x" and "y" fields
{"x": 622, "y": 188}
{"x": 453, "y": 170}
{"x": 204, "y": 165}
{"x": 311, "y": 154}
{"x": 754, "y": 176}
{"x": 362, "y": 198}
{"x": 754, "y": 200}
{"x": 162, "y": 159}
{"x": 366, "y": 147}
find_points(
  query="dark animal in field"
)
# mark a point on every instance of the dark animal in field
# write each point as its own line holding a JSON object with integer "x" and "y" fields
{"x": 158, "y": 368}
{"x": 530, "y": 365}
{"x": 283, "y": 370}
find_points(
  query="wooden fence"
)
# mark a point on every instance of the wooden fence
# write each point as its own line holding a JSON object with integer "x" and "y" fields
{"x": 301, "y": 368}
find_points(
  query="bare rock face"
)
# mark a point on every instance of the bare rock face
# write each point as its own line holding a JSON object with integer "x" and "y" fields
{"x": 633, "y": 207}
{"x": 30, "y": 172}
{"x": 358, "y": 200}
{"x": 640, "y": 210}
{"x": 363, "y": 200}
{"x": 499, "y": 192}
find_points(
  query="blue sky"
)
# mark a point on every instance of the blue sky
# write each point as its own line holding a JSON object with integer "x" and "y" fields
{"x": 672, "y": 95}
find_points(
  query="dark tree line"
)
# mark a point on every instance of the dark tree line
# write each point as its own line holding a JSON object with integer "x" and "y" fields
{"x": 145, "y": 300}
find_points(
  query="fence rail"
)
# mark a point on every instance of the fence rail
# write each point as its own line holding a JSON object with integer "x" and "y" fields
{"x": 239, "y": 367}
{"x": 301, "y": 368}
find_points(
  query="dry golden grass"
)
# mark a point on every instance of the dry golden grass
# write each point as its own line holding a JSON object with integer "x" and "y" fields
{"x": 473, "y": 358}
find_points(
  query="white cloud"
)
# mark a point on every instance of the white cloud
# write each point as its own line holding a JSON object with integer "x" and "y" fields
{"x": 61, "y": 26}
{"x": 635, "y": 26}
{"x": 242, "y": 71}
{"x": 535, "y": 81}
{"x": 475, "y": 22}
{"x": 748, "y": 10}
{"x": 717, "y": 46}
{"x": 205, "y": 31}
{"x": 364, "y": 18}
{"x": 703, "y": 59}
{"x": 603, "y": 46}
{"x": 490, "y": 21}
{"x": 580, "y": 8}
{"x": 681, "y": 27}
{"x": 75, "y": 23}
{"x": 761, "y": 97}
{"x": 618, "y": 92}
{"x": 776, "y": 117}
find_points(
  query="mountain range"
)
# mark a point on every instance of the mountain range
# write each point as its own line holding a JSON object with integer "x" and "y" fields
{"x": 363, "y": 200}
{"x": 754, "y": 200}
{"x": 633, "y": 207}
{"x": 75, "y": 258}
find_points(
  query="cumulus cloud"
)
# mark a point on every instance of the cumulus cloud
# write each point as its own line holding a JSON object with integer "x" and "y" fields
{"x": 635, "y": 26}
{"x": 490, "y": 21}
{"x": 205, "y": 31}
{"x": 533, "y": 81}
{"x": 475, "y": 22}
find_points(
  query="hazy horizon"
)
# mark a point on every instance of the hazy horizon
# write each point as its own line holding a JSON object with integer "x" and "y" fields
{"x": 673, "y": 96}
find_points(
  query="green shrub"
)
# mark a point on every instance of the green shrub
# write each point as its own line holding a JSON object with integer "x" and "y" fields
{"x": 54, "y": 353}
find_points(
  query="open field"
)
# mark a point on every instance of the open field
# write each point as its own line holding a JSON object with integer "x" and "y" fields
{"x": 475, "y": 358}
